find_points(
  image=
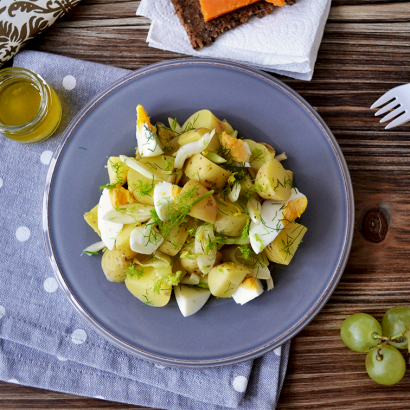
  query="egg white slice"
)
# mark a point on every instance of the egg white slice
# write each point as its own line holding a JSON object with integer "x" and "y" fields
{"x": 163, "y": 198}
{"x": 247, "y": 291}
{"x": 145, "y": 239}
{"x": 192, "y": 148}
{"x": 109, "y": 230}
{"x": 263, "y": 234}
{"x": 189, "y": 299}
{"x": 271, "y": 215}
{"x": 148, "y": 142}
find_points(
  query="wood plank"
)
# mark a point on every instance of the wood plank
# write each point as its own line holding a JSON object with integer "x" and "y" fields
{"x": 371, "y": 12}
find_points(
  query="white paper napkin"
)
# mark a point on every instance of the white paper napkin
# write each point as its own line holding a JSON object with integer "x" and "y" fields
{"x": 285, "y": 42}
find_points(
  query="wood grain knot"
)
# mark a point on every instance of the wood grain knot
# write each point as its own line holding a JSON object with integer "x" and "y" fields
{"x": 374, "y": 225}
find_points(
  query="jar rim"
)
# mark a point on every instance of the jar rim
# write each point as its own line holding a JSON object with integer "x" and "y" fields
{"x": 40, "y": 84}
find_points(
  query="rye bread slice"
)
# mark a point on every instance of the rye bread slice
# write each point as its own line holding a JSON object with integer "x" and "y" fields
{"x": 202, "y": 33}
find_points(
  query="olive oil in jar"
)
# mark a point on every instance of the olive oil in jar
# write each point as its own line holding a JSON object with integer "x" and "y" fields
{"x": 30, "y": 110}
{"x": 19, "y": 101}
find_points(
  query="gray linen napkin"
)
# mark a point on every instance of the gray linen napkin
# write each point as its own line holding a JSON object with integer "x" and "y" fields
{"x": 43, "y": 342}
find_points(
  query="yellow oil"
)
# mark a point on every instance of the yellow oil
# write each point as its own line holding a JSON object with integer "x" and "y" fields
{"x": 19, "y": 102}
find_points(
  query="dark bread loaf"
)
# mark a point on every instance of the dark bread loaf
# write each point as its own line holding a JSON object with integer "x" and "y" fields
{"x": 202, "y": 33}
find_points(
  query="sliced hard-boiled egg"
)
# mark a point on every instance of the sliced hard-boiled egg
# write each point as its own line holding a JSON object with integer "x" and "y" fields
{"x": 263, "y": 234}
{"x": 109, "y": 230}
{"x": 274, "y": 217}
{"x": 190, "y": 299}
{"x": 146, "y": 239}
{"x": 148, "y": 142}
{"x": 249, "y": 289}
{"x": 165, "y": 194}
{"x": 295, "y": 206}
{"x": 239, "y": 150}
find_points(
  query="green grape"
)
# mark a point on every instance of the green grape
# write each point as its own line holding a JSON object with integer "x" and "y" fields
{"x": 357, "y": 332}
{"x": 390, "y": 369}
{"x": 394, "y": 322}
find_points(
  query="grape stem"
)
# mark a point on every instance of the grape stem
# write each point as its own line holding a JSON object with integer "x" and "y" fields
{"x": 392, "y": 338}
{"x": 384, "y": 340}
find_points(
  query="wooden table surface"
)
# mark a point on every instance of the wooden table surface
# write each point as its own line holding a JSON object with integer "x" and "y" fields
{"x": 365, "y": 51}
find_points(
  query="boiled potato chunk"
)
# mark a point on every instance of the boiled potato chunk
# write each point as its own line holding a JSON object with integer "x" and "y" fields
{"x": 282, "y": 249}
{"x": 142, "y": 287}
{"x": 224, "y": 279}
{"x": 92, "y": 219}
{"x": 230, "y": 219}
{"x": 171, "y": 146}
{"x": 206, "y": 172}
{"x": 114, "y": 265}
{"x": 190, "y": 299}
{"x": 269, "y": 148}
{"x": 204, "y": 119}
{"x": 260, "y": 154}
{"x": 117, "y": 171}
{"x": 192, "y": 135}
{"x": 122, "y": 243}
{"x": 190, "y": 264}
{"x": 198, "y": 133}
{"x": 290, "y": 175}
{"x": 141, "y": 187}
{"x": 175, "y": 240}
{"x": 273, "y": 181}
{"x": 228, "y": 127}
{"x": 205, "y": 210}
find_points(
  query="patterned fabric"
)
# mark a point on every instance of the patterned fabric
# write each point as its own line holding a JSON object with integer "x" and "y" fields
{"x": 43, "y": 342}
{"x": 21, "y": 20}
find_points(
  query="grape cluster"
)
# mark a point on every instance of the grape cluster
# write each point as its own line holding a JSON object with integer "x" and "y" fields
{"x": 363, "y": 333}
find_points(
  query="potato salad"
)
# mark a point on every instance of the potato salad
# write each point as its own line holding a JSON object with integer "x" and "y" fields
{"x": 198, "y": 210}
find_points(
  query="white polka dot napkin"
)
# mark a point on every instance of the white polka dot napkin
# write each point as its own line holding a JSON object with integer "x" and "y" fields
{"x": 43, "y": 342}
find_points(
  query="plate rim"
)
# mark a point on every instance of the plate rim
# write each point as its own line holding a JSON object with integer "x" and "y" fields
{"x": 267, "y": 347}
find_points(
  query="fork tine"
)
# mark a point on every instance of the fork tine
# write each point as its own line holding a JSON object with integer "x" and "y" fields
{"x": 393, "y": 114}
{"x": 387, "y": 107}
{"x": 399, "y": 121}
{"x": 385, "y": 98}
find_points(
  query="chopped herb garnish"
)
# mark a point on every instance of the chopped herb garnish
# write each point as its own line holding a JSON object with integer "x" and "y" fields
{"x": 134, "y": 271}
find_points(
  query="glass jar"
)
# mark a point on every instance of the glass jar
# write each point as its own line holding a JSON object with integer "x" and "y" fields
{"x": 30, "y": 110}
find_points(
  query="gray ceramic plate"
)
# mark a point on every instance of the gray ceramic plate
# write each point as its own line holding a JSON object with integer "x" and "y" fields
{"x": 261, "y": 108}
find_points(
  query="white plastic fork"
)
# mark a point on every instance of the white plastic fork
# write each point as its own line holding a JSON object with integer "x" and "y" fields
{"x": 398, "y": 99}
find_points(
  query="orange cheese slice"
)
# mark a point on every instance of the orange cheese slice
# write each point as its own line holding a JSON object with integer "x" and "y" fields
{"x": 215, "y": 8}
{"x": 278, "y": 3}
